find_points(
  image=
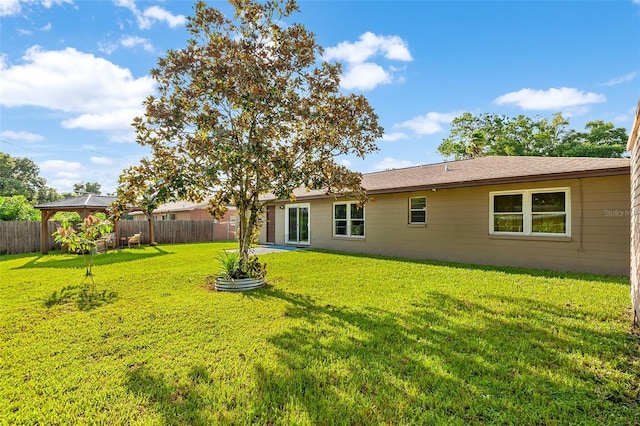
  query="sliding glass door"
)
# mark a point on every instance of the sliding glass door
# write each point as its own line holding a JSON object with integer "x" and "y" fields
{"x": 297, "y": 224}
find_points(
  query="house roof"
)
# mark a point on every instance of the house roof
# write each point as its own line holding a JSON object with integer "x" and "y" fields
{"x": 490, "y": 170}
{"x": 178, "y": 206}
{"x": 87, "y": 201}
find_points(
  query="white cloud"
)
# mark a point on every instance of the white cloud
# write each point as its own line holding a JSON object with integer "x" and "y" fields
{"x": 14, "y": 7}
{"x": 391, "y": 163}
{"x": 552, "y": 99}
{"x": 429, "y": 123}
{"x": 624, "y": 78}
{"x": 95, "y": 93}
{"x": 160, "y": 14}
{"x": 364, "y": 76}
{"x": 150, "y": 15}
{"x": 345, "y": 163}
{"x": 368, "y": 46}
{"x": 361, "y": 72}
{"x": 107, "y": 47}
{"x": 62, "y": 174}
{"x": 394, "y": 136}
{"x": 133, "y": 41}
{"x": 103, "y": 161}
{"x": 21, "y": 136}
{"x": 47, "y": 27}
{"x": 9, "y": 7}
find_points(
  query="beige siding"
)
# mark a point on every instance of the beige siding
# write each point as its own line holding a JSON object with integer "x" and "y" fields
{"x": 458, "y": 228}
{"x": 635, "y": 225}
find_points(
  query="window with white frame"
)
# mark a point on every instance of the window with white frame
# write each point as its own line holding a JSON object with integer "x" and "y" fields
{"x": 531, "y": 212}
{"x": 348, "y": 220}
{"x": 417, "y": 210}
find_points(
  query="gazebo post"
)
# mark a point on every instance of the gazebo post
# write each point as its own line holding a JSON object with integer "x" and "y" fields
{"x": 44, "y": 234}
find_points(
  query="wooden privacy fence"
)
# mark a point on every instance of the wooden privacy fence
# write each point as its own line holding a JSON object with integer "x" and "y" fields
{"x": 24, "y": 237}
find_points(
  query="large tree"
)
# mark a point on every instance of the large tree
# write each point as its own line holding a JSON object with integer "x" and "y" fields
{"x": 21, "y": 176}
{"x": 491, "y": 134}
{"x": 248, "y": 108}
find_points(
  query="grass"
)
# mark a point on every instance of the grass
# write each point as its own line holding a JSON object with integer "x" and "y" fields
{"x": 334, "y": 339}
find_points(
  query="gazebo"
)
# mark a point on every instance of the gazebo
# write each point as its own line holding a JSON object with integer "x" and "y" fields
{"x": 83, "y": 205}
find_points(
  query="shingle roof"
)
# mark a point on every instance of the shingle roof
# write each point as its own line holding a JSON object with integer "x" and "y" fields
{"x": 87, "y": 201}
{"x": 483, "y": 171}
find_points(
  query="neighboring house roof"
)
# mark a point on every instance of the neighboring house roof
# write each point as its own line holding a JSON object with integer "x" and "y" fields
{"x": 179, "y": 206}
{"x": 634, "y": 136}
{"x": 87, "y": 201}
{"x": 490, "y": 170}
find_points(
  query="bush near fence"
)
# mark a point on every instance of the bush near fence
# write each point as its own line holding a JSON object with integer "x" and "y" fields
{"x": 24, "y": 237}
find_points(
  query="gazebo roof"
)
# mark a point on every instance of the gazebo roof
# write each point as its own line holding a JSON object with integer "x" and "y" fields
{"x": 87, "y": 201}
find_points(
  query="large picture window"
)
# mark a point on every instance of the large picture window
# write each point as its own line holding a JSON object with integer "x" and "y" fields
{"x": 418, "y": 210}
{"x": 348, "y": 220}
{"x": 531, "y": 212}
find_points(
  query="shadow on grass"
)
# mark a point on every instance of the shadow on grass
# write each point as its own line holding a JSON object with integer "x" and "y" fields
{"x": 507, "y": 269}
{"x": 176, "y": 403}
{"x": 85, "y": 296}
{"x": 447, "y": 360}
{"x": 113, "y": 257}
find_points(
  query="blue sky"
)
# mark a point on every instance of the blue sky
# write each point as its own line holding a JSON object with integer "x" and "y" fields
{"x": 74, "y": 72}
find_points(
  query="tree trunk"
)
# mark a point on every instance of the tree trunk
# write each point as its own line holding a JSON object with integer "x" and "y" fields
{"x": 244, "y": 234}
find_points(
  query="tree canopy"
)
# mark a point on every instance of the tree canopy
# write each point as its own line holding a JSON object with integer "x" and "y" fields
{"x": 82, "y": 188}
{"x": 491, "y": 134}
{"x": 21, "y": 176}
{"x": 17, "y": 208}
{"x": 248, "y": 108}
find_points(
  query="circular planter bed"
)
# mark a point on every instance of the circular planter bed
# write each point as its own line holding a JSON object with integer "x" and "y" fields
{"x": 240, "y": 284}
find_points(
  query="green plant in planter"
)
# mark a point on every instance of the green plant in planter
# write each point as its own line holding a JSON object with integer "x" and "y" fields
{"x": 233, "y": 269}
{"x": 230, "y": 265}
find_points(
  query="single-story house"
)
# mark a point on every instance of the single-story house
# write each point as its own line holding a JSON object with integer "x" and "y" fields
{"x": 224, "y": 228}
{"x": 184, "y": 210}
{"x": 634, "y": 147}
{"x": 565, "y": 214}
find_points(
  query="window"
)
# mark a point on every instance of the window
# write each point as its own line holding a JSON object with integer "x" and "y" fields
{"x": 531, "y": 212}
{"x": 418, "y": 210}
{"x": 348, "y": 220}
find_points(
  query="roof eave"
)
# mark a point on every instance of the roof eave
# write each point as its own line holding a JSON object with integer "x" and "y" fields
{"x": 618, "y": 171}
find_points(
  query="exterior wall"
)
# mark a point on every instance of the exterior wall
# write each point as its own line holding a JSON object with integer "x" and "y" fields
{"x": 635, "y": 230}
{"x": 634, "y": 146}
{"x": 457, "y": 228}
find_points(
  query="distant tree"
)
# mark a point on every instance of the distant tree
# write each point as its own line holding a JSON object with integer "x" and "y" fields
{"x": 247, "y": 109}
{"x": 82, "y": 188}
{"x": 21, "y": 176}
{"x": 599, "y": 140}
{"x": 490, "y": 134}
{"x": 17, "y": 208}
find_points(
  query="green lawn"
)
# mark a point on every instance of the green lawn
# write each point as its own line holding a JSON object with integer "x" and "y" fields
{"x": 334, "y": 339}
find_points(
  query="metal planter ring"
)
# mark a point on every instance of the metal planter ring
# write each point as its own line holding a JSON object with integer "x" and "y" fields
{"x": 240, "y": 284}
